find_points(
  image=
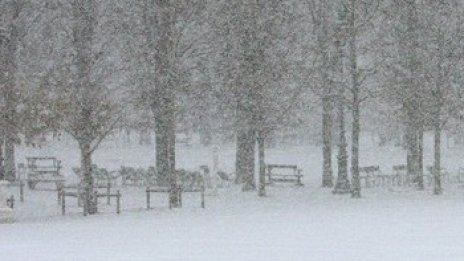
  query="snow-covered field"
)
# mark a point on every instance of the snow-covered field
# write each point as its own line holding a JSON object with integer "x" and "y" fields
{"x": 291, "y": 223}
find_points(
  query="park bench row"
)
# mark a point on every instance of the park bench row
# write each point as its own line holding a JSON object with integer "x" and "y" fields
{"x": 79, "y": 194}
{"x": 48, "y": 170}
{"x": 371, "y": 176}
{"x": 130, "y": 176}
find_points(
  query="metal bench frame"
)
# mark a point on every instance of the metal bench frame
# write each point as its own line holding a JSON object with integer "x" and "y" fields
{"x": 286, "y": 178}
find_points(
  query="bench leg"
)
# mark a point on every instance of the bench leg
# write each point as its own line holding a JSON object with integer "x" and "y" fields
{"x": 108, "y": 192}
{"x": 202, "y": 199}
{"x": 21, "y": 191}
{"x": 59, "y": 193}
{"x": 63, "y": 203}
{"x": 79, "y": 197}
{"x": 148, "y": 199}
{"x": 118, "y": 202}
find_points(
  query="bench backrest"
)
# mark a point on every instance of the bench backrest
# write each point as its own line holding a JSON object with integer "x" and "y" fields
{"x": 369, "y": 169}
{"x": 431, "y": 168}
{"x": 399, "y": 167}
{"x": 281, "y": 166}
{"x": 43, "y": 164}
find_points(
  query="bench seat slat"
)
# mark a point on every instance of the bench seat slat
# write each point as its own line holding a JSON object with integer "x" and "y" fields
{"x": 281, "y": 166}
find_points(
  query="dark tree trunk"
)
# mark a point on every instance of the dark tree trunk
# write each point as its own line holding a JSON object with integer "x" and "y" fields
{"x": 412, "y": 147}
{"x": 165, "y": 95}
{"x": 10, "y": 97}
{"x": 356, "y": 103}
{"x": 420, "y": 158}
{"x": 145, "y": 137}
{"x": 165, "y": 154}
{"x": 323, "y": 41}
{"x": 412, "y": 104}
{"x": 356, "y": 183}
{"x": 206, "y": 135}
{"x": 327, "y": 173}
{"x": 162, "y": 150}
{"x": 87, "y": 181}
{"x": 246, "y": 158}
{"x": 174, "y": 196}
{"x": 262, "y": 164}
{"x": 239, "y": 136}
{"x": 415, "y": 134}
{"x": 10, "y": 169}
{"x": 2, "y": 168}
{"x": 437, "y": 189}
{"x": 342, "y": 186}
{"x": 246, "y": 142}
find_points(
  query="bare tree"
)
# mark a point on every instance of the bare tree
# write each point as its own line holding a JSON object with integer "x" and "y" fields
{"x": 359, "y": 17}
{"x": 444, "y": 53}
{"x": 85, "y": 87}
{"x": 11, "y": 34}
{"x": 323, "y": 21}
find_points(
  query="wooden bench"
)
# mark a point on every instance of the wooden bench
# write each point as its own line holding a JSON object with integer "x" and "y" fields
{"x": 191, "y": 182}
{"x": 460, "y": 176}
{"x": 137, "y": 177}
{"x": 444, "y": 175}
{"x": 184, "y": 138}
{"x": 370, "y": 175}
{"x": 10, "y": 202}
{"x": 20, "y": 184}
{"x": 79, "y": 190}
{"x": 43, "y": 170}
{"x": 400, "y": 175}
{"x": 80, "y": 194}
{"x": 223, "y": 179}
{"x": 101, "y": 175}
{"x": 293, "y": 177}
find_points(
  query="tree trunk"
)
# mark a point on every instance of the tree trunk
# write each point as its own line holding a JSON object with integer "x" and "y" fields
{"x": 162, "y": 150}
{"x": 246, "y": 142}
{"x": 174, "y": 196}
{"x": 206, "y": 135}
{"x": 87, "y": 181}
{"x": 409, "y": 147}
{"x": 11, "y": 97}
{"x": 356, "y": 192}
{"x": 246, "y": 158}
{"x": 437, "y": 189}
{"x": 415, "y": 150}
{"x": 420, "y": 158}
{"x": 327, "y": 173}
{"x": 165, "y": 95}
{"x": 262, "y": 164}
{"x": 238, "y": 157}
{"x": 165, "y": 155}
{"x": 2, "y": 168}
{"x": 144, "y": 137}
{"x": 323, "y": 41}
{"x": 412, "y": 92}
{"x": 355, "y": 89}
{"x": 10, "y": 169}
{"x": 342, "y": 186}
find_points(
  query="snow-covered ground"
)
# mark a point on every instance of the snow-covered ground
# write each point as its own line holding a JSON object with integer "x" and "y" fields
{"x": 291, "y": 223}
